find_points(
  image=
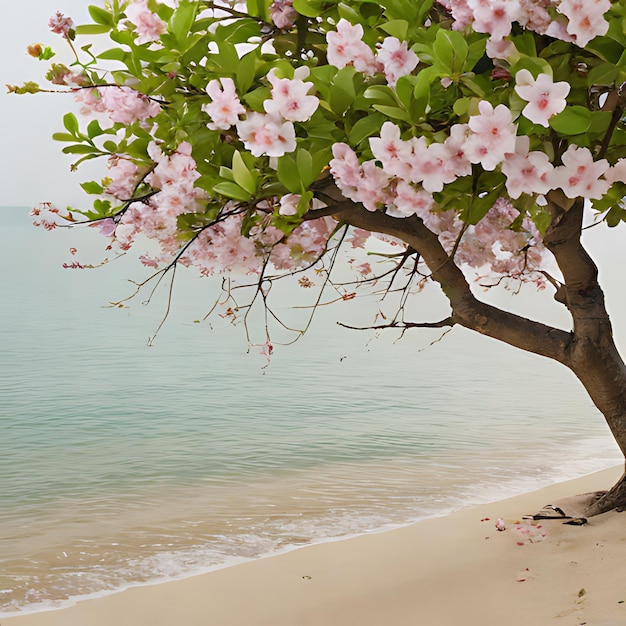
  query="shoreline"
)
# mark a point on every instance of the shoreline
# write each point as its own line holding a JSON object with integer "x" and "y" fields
{"x": 445, "y": 570}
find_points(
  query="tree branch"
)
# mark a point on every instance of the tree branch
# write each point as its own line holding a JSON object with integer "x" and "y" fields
{"x": 467, "y": 310}
{"x": 448, "y": 321}
{"x": 581, "y": 292}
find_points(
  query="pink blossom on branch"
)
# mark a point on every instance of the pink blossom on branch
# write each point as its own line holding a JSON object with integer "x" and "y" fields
{"x": 397, "y": 60}
{"x": 225, "y": 108}
{"x": 122, "y": 104}
{"x": 545, "y": 98}
{"x": 493, "y": 135}
{"x": 122, "y": 178}
{"x": 266, "y": 135}
{"x": 346, "y": 47}
{"x": 394, "y": 153}
{"x": 585, "y": 19}
{"x": 61, "y": 25}
{"x": 148, "y": 26}
{"x": 283, "y": 14}
{"x": 580, "y": 175}
{"x": 290, "y": 97}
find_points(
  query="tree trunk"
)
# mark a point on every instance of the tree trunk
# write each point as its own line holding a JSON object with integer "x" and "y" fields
{"x": 591, "y": 352}
{"x": 588, "y": 350}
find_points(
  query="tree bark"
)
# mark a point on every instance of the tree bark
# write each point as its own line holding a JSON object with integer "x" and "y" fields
{"x": 588, "y": 350}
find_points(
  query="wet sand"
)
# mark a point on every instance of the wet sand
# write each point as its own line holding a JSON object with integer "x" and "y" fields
{"x": 448, "y": 571}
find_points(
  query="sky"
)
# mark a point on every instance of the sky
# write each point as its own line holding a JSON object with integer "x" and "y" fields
{"x": 33, "y": 168}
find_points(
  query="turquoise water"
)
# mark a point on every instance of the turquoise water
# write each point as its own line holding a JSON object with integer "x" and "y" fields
{"x": 122, "y": 463}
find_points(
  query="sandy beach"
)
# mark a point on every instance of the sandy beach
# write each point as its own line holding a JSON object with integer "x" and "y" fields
{"x": 457, "y": 569}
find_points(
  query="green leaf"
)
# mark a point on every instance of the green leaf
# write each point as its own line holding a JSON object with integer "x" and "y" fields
{"x": 574, "y": 120}
{"x": 94, "y": 129}
{"x": 366, "y": 127}
{"x": 393, "y": 112}
{"x": 92, "y": 187}
{"x": 63, "y": 137}
{"x": 309, "y": 8}
{"x": 113, "y": 54}
{"x": 231, "y": 190}
{"x": 242, "y": 175}
{"x": 461, "y": 106}
{"x": 92, "y": 29}
{"x": 396, "y": 28}
{"x": 102, "y": 207}
{"x": 71, "y": 124}
{"x": 46, "y": 54}
{"x": 348, "y": 13}
{"x": 246, "y": 71}
{"x": 342, "y": 94}
{"x": 404, "y": 90}
{"x": 78, "y": 148}
{"x": 541, "y": 217}
{"x": 450, "y": 50}
{"x": 257, "y": 8}
{"x": 100, "y": 16}
{"x": 381, "y": 94}
{"x": 288, "y": 175}
{"x": 443, "y": 52}
{"x": 424, "y": 80}
{"x": 480, "y": 205}
{"x": 182, "y": 21}
{"x": 603, "y": 74}
{"x": 304, "y": 162}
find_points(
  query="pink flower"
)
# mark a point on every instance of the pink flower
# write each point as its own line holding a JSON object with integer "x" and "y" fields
{"x": 283, "y": 14}
{"x": 345, "y": 167}
{"x": 579, "y": 176}
{"x": 225, "y": 107}
{"x": 617, "y": 172}
{"x": 394, "y": 154}
{"x": 91, "y": 100}
{"x": 431, "y": 165}
{"x": 266, "y": 135}
{"x": 545, "y": 98}
{"x": 290, "y": 99}
{"x": 148, "y": 25}
{"x": 529, "y": 173}
{"x": 585, "y": 19}
{"x": 346, "y": 47}
{"x": 396, "y": 59}
{"x": 289, "y": 204}
{"x": 122, "y": 178}
{"x": 61, "y": 25}
{"x": 455, "y": 145}
{"x": 373, "y": 189}
{"x": 493, "y": 135}
{"x": 408, "y": 200}
{"x": 494, "y": 16}
{"x": 127, "y": 106}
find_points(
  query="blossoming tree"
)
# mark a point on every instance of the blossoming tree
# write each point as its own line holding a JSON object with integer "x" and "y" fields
{"x": 470, "y": 136}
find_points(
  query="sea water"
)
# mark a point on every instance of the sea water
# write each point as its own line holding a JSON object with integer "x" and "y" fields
{"x": 123, "y": 463}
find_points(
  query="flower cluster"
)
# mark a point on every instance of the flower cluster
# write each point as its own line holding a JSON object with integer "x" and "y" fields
{"x": 261, "y": 110}
{"x": 60, "y": 24}
{"x": 283, "y": 14}
{"x": 272, "y": 133}
{"x": 346, "y": 47}
{"x": 122, "y": 104}
{"x": 121, "y": 180}
{"x": 578, "y": 21}
{"x": 148, "y": 26}
{"x": 156, "y": 217}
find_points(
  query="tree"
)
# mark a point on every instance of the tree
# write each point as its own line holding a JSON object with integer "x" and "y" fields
{"x": 471, "y": 138}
